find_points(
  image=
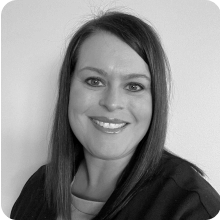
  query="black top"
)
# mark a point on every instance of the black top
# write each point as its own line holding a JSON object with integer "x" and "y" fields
{"x": 177, "y": 193}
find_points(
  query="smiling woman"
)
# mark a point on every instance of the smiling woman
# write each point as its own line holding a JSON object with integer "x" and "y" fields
{"x": 107, "y": 158}
{"x": 103, "y": 94}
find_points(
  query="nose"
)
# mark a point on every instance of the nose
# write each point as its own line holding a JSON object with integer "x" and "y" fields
{"x": 112, "y": 100}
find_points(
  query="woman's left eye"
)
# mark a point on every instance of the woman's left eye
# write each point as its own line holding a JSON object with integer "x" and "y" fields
{"x": 134, "y": 87}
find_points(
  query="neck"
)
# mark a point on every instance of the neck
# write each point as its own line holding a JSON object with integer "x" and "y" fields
{"x": 96, "y": 178}
{"x": 101, "y": 171}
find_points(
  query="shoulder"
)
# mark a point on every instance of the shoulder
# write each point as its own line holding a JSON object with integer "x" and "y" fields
{"x": 37, "y": 178}
{"x": 187, "y": 177}
{"x": 181, "y": 176}
{"x": 36, "y": 181}
{"x": 32, "y": 194}
{"x": 177, "y": 191}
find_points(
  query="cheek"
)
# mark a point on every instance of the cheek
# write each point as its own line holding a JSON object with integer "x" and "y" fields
{"x": 142, "y": 109}
{"x": 79, "y": 101}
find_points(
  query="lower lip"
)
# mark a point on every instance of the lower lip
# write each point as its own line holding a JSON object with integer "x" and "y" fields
{"x": 108, "y": 130}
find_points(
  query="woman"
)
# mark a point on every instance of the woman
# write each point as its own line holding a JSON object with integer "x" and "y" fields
{"x": 107, "y": 155}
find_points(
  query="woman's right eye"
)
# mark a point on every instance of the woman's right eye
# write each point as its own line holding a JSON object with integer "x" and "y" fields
{"x": 95, "y": 82}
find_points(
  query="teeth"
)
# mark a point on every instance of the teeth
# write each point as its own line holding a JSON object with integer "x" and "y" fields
{"x": 109, "y": 125}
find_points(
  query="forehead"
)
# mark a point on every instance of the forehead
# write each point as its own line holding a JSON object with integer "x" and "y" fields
{"x": 108, "y": 52}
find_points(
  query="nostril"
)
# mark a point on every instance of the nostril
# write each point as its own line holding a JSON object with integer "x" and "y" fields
{"x": 112, "y": 99}
{"x": 110, "y": 105}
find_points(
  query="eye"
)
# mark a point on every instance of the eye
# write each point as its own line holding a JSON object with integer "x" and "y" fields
{"x": 134, "y": 87}
{"x": 95, "y": 82}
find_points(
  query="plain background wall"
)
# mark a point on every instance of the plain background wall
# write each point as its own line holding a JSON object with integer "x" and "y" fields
{"x": 35, "y": 34}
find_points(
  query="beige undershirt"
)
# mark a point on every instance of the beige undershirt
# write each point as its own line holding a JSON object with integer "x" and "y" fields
{"x": 82, "y": 209}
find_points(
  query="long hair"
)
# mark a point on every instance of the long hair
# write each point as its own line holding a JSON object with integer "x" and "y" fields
{"x": 65, "y": 152}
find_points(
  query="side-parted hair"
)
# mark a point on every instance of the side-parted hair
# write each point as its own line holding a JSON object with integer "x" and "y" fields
{"x": 66, "y": 153}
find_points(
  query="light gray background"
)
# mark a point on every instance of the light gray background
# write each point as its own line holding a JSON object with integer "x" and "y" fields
{"x": 35, "y": 34}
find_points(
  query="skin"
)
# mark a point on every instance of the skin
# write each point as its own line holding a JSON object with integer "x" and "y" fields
{"x": 101, "y": 87}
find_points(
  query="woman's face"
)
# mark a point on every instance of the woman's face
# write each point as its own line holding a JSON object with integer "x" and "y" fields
{"x": 110, "y": 104}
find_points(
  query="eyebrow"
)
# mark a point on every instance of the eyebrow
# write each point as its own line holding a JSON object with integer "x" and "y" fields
{"x": 104, "y": 73}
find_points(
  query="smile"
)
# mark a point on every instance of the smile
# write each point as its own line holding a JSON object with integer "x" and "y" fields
{"x": 110, "y": 126}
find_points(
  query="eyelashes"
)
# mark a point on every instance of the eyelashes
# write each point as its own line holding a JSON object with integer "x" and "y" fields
{"x": 95, "y": 82}
{"x": 98, "y": 82}
{"x": 134, "y": 87}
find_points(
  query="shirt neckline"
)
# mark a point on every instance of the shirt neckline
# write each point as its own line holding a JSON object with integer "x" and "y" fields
{"x": 86, "y": 206}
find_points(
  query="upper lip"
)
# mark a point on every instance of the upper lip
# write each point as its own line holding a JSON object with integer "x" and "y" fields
{"x": 109, "y": 120}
